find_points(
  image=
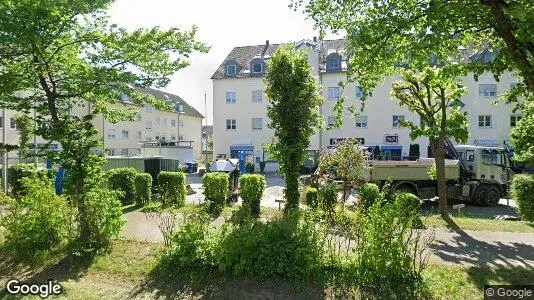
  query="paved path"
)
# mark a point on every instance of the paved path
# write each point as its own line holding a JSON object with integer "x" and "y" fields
{"x": 472, "y": 248}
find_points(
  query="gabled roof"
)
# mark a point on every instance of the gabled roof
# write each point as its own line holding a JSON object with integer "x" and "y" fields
{"x": 170, "y": 99}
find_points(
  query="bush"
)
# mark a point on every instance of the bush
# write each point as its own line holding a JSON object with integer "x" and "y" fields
{"x": 215, "y": 191}
{"x": 328, "y": 198}
{"x": 143, "y": 188}
{"x": 523, "y": 193}
{"x": 39, "y": 222}
{"x": 20, "y": 171}
{"x": 312, "y": 197}
{"x": 409, "y": 206}
{"x": 172, "y": 188}
{"x": 104, "y": 215}
{"x": 251, "y": 188}
{"x": 368, "y": 194}
{"x": 122, "y": 179}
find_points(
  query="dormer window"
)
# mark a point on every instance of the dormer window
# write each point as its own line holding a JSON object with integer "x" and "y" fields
{"x": 125, "y": 97}
{"x": 231, "y": 70}
{"x": 333, "y": 63}
{"x": 257, "y": 68}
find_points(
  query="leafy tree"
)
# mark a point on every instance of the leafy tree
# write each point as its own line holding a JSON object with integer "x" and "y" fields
{"x": 57, "y": 55}
{"x": 25, "y": 127}
{"x": 294, "y": 99}
{"x": 430, "y": 93}
{"x": 521, "y": 137}
{"x": 346, "y": 162}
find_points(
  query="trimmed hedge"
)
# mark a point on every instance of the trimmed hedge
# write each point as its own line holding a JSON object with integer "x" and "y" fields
{"x": 251, "y": 188}
{"x": 122, "y": 179}
{"x": 20, "y": 171}
{"x": 328, "y": 198}
{"x": 172, "y": 188}
{"x": 522, "y": 191}
{"x": 143, "y": 188}
{"x": 409, "y": 207}
{"x": 215, "y": 191}
{"x": 312, "y": 197}
{"x": 368, "y": 194}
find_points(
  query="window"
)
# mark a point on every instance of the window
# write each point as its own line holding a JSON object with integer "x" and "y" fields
{"x": 125, "y": 97}
{"x": 12, "y": 123}
{"x": 333, "y": 93}
{"x": 124, "y": 152}
{"x": 148, "y": 108}
{"x": 111, "y": 134}
{"x": 514, "y": 119}
{"x": 173, "y": 137}
{"x": 173, "y": 123}
{"x": 231, "y": 97}
{"x": 358, "y": 92}
{"x": 331, "y": 121}
{"x": 158, "y": 121}
{"x": 1, "y": 122}
{"x": 180, "y": 107}
{"x": 396, "y": 120}
{"x": 181, "y": 138}
{"x": 125, "y": 134}
{"x": 257, "y": 96}
{"x": 257, "y": 68}
{"x": 333, "y": 63}
{"x": 148, "y": 125}
{"x": 484, "y": 121}
{"x": 139, "y": 135}
{"x": 361, "y": 121}
{"x": 181, "y": 123}
{"x": 231, "y": 124}
{"x": 487, "y": 90}
{"x": 164, "y": 121}
{"x": 138, "y": 118}
{"x": 257, "y": 124}
{"x": 231, "y": 70}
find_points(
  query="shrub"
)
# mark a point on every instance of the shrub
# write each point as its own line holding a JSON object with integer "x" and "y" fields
{"x": 104, "y": 215}
{"x": 328, "y": 198}
{"x": 39, "y": 222}
{"x": 409, "y": 207}
{"x": 21, "y": 171}
{"x": 143, "y": 188}
{"x": 251, "y": 188}
{"x": 312, "y": 197}
{"x": 172, "y": 188}
{"x": 215, "y": 191}
{"x": 368, "y": 194}
{"x": 523, "y": 193}
{"x": 122, "y": 179}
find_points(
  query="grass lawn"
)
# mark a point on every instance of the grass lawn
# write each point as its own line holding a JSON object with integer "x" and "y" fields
{"x": 128, "y": 270}
{"x": 484, "y": 224}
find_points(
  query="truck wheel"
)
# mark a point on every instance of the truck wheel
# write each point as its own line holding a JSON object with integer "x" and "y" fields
{"x": 492, "y": 197}
{"x": 480, "y": 195}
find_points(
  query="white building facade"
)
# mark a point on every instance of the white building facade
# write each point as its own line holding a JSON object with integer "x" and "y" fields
{"x": 239, "y": 106}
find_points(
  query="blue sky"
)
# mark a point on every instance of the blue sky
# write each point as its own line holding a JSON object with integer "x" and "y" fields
{"x": 222, "y": 25}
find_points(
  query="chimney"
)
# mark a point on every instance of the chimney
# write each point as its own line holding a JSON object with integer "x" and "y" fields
{"x": 265, "y": 48}
{"x": 315, "y": 39}
{"x": 267, "y": 43}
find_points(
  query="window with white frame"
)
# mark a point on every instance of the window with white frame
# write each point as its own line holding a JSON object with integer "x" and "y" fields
{"x": 12, "y": 123}
{"x": 124, "y": 151}
{"x": 487, "y": 90}
{"x": 1, "y": 122}
{"x": 484, "y": 121}
{"x": 125, "y": 134}
{"x": 514, "y": 119}
{"x": 358, "y": 92}
{"x": 396, "y": 119}
{"x": 148, "y": 125}
{"x": 361, "y": 121}
{"x": 111, "y": 134}
{"x": 333, "y": 93}
{"x": 158, "y": 121}
{"x": 148, "y": 108}
{"x": 333, "y": 63}
{"x": 231, "y": 97}
{"x": 173, "y": 136}
{"x": 331, "y": 121}
{"x": 139, "y": 135}
{"x": 257, "y": 124}
{"x": 181, "y": 123}
{"x": 257, "y": 96}
{"x": 173, "y": 123}
{"x": 231, "y": 69}
{"x": 257, "y": 68}
{"x": 231, "y": 124}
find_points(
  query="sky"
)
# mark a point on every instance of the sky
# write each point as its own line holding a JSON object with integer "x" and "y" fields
{"x": 223, "y": 25}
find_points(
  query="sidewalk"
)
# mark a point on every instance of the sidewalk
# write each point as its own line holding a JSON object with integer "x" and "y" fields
{"x": 468, "y": 248}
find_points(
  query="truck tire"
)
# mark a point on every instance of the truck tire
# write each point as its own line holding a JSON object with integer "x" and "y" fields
{"x": 480, "y": 195}
{"x": 493, "y": 195}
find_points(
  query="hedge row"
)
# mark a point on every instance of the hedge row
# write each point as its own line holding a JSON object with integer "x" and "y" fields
{"x": 251, "y": 188}
{"x": 172, "y": 188}
{"x": 215, "y": 191}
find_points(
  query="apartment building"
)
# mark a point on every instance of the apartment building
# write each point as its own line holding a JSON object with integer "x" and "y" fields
{"x": 239, "y": 105}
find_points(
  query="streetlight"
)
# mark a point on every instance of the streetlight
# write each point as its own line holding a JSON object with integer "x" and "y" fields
{"x": 179, "y": 110}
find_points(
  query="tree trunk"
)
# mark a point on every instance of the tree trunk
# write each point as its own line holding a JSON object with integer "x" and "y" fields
{"x": 291, "y": 191}
{"x": 438, "y": 148}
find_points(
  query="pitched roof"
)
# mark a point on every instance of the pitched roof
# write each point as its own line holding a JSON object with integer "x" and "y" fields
{"x": 170, "y": 99}
{"x": 244, "y": 55}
